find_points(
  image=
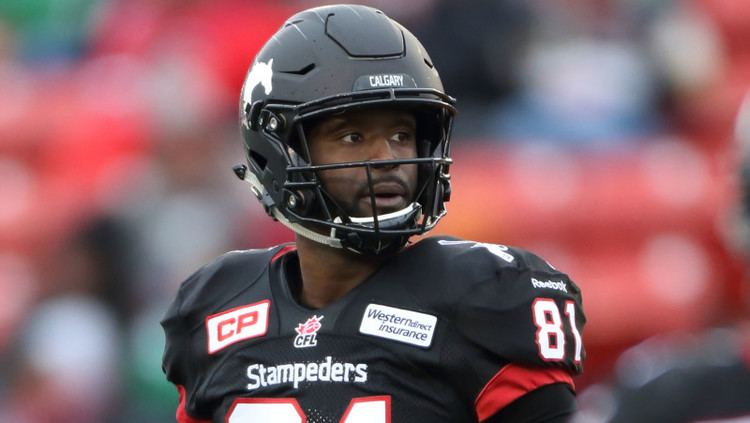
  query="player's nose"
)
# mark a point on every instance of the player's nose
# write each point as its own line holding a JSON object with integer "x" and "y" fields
{"x": 382, "y": 149}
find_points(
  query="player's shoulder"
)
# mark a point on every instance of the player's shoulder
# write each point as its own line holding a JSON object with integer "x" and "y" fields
{"x": 509, "y": 300}
{"x": 224, "y": 277}
{"x": 453, "y": 248}
{"x": 482, "y": 261}
{"x": 469, "y": 273}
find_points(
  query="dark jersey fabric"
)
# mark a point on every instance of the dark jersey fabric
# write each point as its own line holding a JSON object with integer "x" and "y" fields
{"x": 446, "y": 331}
{"x": 711, "y": 389}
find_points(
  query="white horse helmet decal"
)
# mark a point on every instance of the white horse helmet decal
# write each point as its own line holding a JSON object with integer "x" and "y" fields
{"x": 261, "y": 73}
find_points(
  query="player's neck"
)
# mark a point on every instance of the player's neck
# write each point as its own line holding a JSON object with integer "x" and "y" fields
{"x": 329, "y": 273}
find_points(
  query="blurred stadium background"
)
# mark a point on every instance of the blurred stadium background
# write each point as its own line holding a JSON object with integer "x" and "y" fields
{"x": 595, "y": 132}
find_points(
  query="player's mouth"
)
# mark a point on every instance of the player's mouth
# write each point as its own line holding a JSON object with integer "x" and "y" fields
{"x": 389, "y": 197}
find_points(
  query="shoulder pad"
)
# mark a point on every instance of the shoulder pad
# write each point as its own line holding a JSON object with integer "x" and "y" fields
{"x": 484, "y": 254}
{"x": 222, "y": 278}
{"x": 211, "y": 286}
{"x": 513, "y": 302}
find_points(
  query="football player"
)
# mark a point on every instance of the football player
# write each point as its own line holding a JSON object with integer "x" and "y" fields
{"x": 346, "y": 128}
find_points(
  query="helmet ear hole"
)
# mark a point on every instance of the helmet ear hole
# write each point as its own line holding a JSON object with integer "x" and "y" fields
{"x": 258, "y": 160}
{"x": 301, "y": 201}
{"x": 446, "y": 190}
{"x": 429, "y": 123}
{"x": 252, "y": 114}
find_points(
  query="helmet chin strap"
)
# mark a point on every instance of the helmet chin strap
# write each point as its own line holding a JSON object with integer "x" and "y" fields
{"x": 260, "y": 191}
{"x": 305, "y": 232}
{"x": 386, "y": 221}
{"x": 393, "y": 220}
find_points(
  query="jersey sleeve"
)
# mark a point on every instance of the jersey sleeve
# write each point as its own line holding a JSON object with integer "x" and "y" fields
{"x": 186, "y": 358}
{"x": 528, "y": 318}
{"x": 178, "y": 354}
{"x": 549, "y": 404}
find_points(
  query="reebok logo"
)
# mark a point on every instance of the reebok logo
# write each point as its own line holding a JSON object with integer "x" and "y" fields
{"x": 558, "y": 285}
{"x": 397, "y": 324}
{"x": 237, "y": 324}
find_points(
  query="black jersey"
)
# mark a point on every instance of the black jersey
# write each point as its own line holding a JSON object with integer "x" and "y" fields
{"x": 710, "y": 383}
{"x": 445, "y": 331}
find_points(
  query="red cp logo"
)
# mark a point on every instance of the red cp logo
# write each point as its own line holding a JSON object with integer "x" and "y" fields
{"x": 237, "y": 324}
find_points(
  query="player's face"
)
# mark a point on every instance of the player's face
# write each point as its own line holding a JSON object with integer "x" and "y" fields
{"x": 367, "y": 135}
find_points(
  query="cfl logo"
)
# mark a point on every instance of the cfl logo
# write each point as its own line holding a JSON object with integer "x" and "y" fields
{"x": 307, "y": 333}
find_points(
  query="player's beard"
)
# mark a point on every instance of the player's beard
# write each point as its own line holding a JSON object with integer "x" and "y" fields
{"x": 359, "y": 202}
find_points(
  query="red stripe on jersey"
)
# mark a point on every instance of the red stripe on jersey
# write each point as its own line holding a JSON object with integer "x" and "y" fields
{"x": 284, "y": 250}
{"x": 182, "y": 415}
{"x": 512, "y": 382}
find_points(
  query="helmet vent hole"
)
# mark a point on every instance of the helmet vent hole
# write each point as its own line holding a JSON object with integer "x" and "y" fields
{"x": 259, "y": 160}
{"x": 303, "y": 71}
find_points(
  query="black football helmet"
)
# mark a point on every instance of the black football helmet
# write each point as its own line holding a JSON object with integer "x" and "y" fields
{"x": 327, "y": 60}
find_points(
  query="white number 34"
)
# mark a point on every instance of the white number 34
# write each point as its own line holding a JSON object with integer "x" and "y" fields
{"x": 550, "y": 336}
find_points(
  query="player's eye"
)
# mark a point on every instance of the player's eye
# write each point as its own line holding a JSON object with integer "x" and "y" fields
{"x": 352, "y": 138}
{"x": 402, "y": 137}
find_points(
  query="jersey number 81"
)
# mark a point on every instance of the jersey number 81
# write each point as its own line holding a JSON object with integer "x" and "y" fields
{"x": 550, "y": 336}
